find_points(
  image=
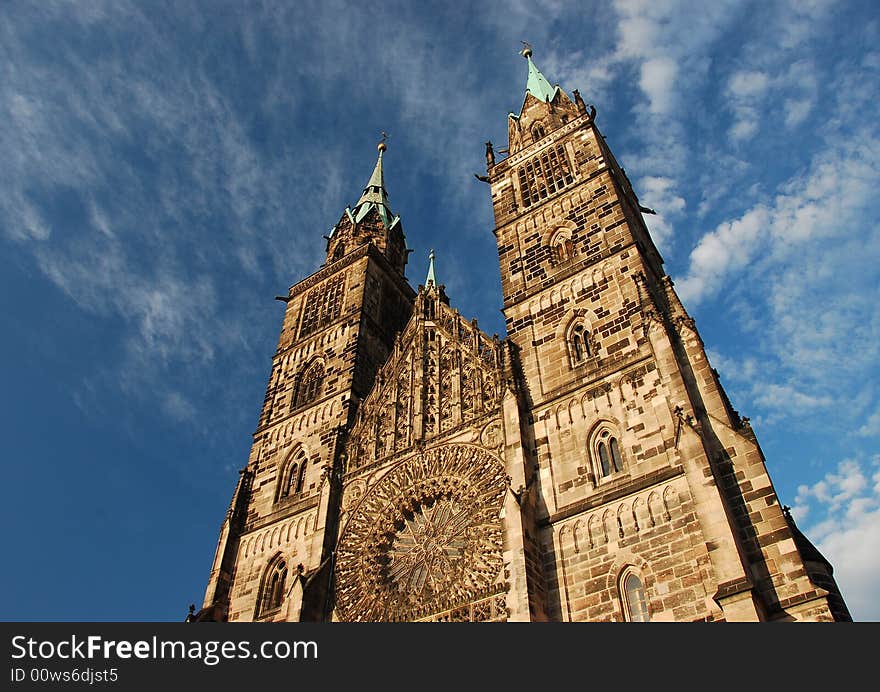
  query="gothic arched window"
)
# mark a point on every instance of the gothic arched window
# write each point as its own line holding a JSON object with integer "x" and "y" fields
{"x": 580, "y": 343}
{"x": 274, "y": 581}
{"x": 309, "y": 386}
{"x": 339, "y": 251}
{"x": 537, "y": 131}
{"x": 605, "y": 449}
{"x": 292, "y": 477}
{"x": 430, "y": 309}
{"x": 632, "y": 597}
{"x": 544, "y": 174}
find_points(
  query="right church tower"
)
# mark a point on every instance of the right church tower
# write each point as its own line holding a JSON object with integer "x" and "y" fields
{"x": 650, "y": 495}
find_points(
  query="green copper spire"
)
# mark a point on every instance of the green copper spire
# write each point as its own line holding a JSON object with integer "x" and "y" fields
{"x": 431, "y": 278}
{"x": 375, "y": 195}
{"x": 375, "y": 189}
{"x": 537, "y": 85}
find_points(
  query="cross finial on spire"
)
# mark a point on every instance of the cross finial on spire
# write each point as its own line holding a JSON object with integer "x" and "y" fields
{"x": 526, "y": 52}
{"x": 382, "y": 146}
{"x": 431, "y": 280}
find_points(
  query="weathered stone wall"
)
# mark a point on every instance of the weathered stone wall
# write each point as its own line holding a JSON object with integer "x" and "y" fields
{"x": 692, "y": 510}
{"x": 777, "y": 567}
{"x": 524, "y": 233}
{"x": 655, "y": 530}
{"x": 351, "y": 346}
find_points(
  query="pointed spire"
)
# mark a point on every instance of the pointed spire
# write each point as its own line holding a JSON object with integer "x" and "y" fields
{"x": 374, "y": 194}
{"x": 431, "y": 280}
{"x": 375, "y": 189}
{"x": 537, "y": 84}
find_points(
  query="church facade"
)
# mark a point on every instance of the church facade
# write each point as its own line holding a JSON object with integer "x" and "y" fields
{"x": 587, "y": 467}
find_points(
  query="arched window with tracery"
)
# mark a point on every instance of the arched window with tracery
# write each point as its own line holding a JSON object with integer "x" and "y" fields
{"x": 274, "y": 582}
{"x": 605, "y": 451}
{"x": 308, "y": 387}
{"x": 632, "y": 597}
{"x": 292, "y": 477}
{"x": 429, "y": 308}
{"x": 537, "y": 132}
{"x": 580, "y": 346}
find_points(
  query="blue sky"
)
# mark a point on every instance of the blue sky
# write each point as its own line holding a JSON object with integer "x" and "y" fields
{"x": 168, "y": 168}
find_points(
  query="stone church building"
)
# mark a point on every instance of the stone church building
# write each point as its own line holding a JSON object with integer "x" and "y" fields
{"x": 588, "y": 467}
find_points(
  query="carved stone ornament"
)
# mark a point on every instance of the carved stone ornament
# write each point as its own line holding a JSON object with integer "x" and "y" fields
{"x": 426, "y": 539}
{"x": 353, "y": 493}
{"x": 444, "y": 374}
{"x": 492, "y": 436}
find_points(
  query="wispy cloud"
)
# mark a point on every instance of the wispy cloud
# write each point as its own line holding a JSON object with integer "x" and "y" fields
{"x": 829, "y": 200}
{"x": 871, "y": 428}
{"x": 745, "y": 90}
{"x": 124, "y": 159}
{"x": 847, "y": 502}
{"x": 803, "y": 261}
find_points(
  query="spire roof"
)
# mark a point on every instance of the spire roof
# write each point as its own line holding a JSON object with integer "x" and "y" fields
{"x": 537, "y": 85}
{"x": 375, "y": 196}
{"x": 431, "y": 279}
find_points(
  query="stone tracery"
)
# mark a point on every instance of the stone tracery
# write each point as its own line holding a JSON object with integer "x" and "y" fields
{"x": 444, "y": 373}
{"x": 425, "y": 539}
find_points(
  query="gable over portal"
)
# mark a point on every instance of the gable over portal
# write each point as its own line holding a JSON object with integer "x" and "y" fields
{"x": 444, "y": 374}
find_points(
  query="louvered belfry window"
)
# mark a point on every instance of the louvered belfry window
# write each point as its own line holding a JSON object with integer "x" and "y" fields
{"x": 544, "y": 175}
{"x": 322, "y": 306}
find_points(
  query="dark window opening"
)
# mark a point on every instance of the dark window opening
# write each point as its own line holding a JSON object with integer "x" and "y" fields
{"x": 544, "y": 175}
{"x": 610, "y": 460}
{"x": 636, "y": 605}
{"x": 290, "y": 486}
{"x": 322, "y": 306}
{"x": 563, "y": 249}
{"x": 615, "y": 454}
{"x": 309, "y": 386}
{"x": 580, "y": 344}
{"x": 273, "y": 595}
{"x": 293, "y": 477}
{"x": 603, "y": 459}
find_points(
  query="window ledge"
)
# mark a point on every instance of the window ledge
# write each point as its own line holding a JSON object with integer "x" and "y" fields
{"x": 269, "y": 613}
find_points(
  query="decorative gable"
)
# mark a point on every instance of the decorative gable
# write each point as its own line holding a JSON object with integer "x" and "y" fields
{"x": 444, "y": 373}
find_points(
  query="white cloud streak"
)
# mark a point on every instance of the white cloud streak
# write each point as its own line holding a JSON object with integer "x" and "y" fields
{"x": 847, "y": 502}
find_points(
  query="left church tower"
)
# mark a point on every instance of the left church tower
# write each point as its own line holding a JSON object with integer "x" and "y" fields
{"x": 272, "y": 561}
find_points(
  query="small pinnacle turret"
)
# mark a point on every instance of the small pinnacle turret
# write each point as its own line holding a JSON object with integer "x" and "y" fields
{"x": 431, "y": 279}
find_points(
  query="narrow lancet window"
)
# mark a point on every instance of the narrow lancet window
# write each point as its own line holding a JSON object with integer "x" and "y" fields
{"x": 635, "y": 605}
